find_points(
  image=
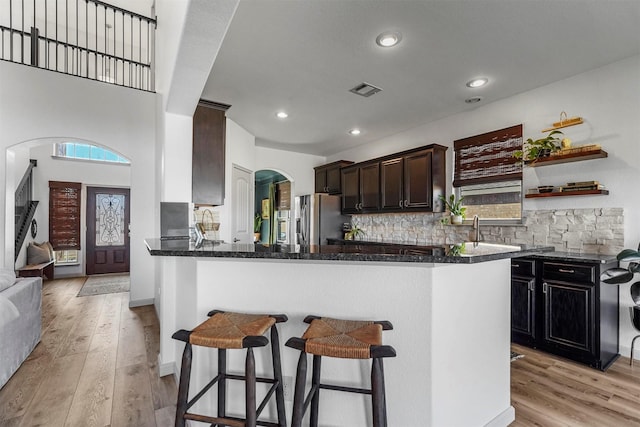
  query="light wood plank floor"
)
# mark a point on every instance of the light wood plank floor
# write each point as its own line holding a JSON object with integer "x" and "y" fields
{"x": 96, "y": 365}
{"x": 550, "y": 391}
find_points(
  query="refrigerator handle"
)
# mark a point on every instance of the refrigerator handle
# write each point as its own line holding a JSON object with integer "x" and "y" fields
{"x": 303, "y": 216}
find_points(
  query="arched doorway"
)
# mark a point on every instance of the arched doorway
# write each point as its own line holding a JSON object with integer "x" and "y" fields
{"x": 273, "y": 218}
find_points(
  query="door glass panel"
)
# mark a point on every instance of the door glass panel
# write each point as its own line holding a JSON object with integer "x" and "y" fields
{"x": 110, "y": 220}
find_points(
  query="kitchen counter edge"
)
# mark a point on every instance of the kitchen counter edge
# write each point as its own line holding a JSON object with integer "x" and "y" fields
{"x": 158, "y": 247}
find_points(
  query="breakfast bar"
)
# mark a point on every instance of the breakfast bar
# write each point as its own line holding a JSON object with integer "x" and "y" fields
{"x": 449, "y": 306}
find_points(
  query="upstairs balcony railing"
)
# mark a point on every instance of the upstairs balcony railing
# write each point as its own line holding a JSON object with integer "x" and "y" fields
{"x": 84, "y": 38}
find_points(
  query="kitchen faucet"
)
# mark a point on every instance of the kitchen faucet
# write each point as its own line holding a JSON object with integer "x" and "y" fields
{"x": 476, "y": 228}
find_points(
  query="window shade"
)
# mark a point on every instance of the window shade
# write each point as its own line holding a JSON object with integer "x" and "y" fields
{"x": 488, "y": 157}
{"x": 64, "y": 215}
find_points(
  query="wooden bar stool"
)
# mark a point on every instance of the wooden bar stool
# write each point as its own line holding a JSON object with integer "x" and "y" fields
{"x": 347, "y": 339}
{"x": 225, "y": 330}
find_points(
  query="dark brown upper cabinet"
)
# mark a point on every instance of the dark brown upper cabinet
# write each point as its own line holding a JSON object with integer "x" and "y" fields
{"x": 361, "y": 188}
{"x": 328, "y": 177}
{"x": 408, "y": 181}
{"x": 208, "y": 160}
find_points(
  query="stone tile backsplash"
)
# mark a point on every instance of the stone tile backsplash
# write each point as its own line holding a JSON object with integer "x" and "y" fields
{"x": 599, "y": 230}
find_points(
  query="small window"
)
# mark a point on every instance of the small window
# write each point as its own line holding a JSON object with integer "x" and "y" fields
{"x": 495, "y": 201}
{"x": 82, "y": 151}
{"x": 66, "y": 257}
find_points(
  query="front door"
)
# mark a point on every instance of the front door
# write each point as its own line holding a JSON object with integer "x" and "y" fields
{"x": 107, "y": 230}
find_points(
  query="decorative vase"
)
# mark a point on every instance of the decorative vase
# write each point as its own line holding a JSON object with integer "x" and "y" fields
{"x": 456, "y": 219}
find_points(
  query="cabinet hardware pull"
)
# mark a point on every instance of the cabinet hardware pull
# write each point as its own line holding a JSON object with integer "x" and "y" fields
{"x": 400, "y": 203}
{"x": 531, "y": 286}
{"x": 406, "y": 203}
{"x": 566, "y": 271}
{"x": 544, "y": 288}
{"x": 515, "y": 265}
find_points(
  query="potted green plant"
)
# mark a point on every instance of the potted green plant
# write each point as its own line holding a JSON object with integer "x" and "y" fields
{"x": 257, "y": 227}
{"x": 353, "y": 233}
{"x": 534, "y": 149}
{"x": 455, "y": 207}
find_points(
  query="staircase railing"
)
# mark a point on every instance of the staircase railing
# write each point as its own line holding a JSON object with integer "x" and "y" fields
{"x": 84, "y": 38}
{"x": 25, "y": 206}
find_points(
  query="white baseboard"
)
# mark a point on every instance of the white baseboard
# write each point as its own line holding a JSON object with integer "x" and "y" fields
{"x": 504, "y": 419}
{"x": 165, "y": 369}
{"x": 626, "y": 350}
{"x": 141, "y": 302}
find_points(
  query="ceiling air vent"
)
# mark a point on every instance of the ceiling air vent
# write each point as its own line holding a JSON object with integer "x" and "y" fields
{"x": 365, "y": 89}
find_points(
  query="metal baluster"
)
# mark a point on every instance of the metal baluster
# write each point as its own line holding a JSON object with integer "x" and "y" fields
{"x": 86, "y": 35}
{"x": 115, "y": 57}
{"x": 22, "y": 36}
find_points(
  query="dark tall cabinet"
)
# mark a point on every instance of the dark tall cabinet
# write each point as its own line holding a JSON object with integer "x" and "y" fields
{"x": 208, "y": 159}
{"x": 564, "y": 309}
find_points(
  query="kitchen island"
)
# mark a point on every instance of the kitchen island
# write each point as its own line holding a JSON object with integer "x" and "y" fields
{"x": 449, "y": 304}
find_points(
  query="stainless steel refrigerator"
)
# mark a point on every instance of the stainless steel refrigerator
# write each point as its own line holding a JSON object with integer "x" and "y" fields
{"x": 318, "y": 218}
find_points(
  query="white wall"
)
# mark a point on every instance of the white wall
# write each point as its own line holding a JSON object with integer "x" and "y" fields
{"x": 91, "y": 174}
{"x": 37, "y": 104}
{"x": 295, "y": 165}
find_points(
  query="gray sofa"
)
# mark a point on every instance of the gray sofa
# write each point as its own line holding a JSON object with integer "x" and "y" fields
{"x": 20, "y": 323}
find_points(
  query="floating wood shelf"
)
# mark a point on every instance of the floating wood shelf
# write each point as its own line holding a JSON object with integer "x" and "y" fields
{"x": 568, "y": 193}
{"x": 567, "y": 158}
{"x": 565, "y": 123}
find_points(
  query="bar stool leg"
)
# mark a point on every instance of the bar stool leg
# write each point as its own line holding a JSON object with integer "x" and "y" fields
{"x": 183, "y": 388}
{"x": 298, "y": 397}
{"x": 315, "y": 389}
{"x": 277, "y": 374}
{"x": 222, "y": 383}
{"x": 378, "y": 398}
{"x": 250, "y": 389}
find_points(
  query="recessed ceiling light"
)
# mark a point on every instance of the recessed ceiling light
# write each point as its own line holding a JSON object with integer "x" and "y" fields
{"x": 281, "y": 115}
{"x": 388, "y": 39}
{"x": 354, "y": 132}
{"x": 477, "y": 82}
{"x": 473, "y": 100}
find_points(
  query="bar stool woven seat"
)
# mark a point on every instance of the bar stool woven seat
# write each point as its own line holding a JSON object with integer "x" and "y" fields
{"x": 223, "y": 331}
{"x": 228, "y": 330}
{"x": 345, "y": 339}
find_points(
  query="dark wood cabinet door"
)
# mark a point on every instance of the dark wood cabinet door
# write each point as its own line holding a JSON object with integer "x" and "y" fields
{"x": 208, "y": 156}
{"x": 321, "y": 181}
{"x": 333, "y": 180}
{"x": 370, "y": 187}
{"x": 391, "y": 184}
{"x": 523, "y": 310}
{"x": 418, "y": 192}
{"x": 569, "y": 316}
{"x": 350, "y": 190}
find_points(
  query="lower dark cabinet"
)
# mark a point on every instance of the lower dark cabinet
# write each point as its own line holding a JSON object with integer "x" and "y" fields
{"x": 562, "y": 308}
{"x": 569, "y": 323}
{"x": 523, "y": 310}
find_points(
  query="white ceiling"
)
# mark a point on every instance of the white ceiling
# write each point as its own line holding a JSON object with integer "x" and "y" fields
{"x": 304, "y": 56}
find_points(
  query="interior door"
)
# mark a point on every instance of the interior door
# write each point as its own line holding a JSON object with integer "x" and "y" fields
{"x": 241, "y": 205}
{"x": 107, "y": 236}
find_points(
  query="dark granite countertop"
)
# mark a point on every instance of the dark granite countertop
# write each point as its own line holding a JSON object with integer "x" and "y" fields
{"x": 574, "y": 256}
{"x": 465, "y": 253}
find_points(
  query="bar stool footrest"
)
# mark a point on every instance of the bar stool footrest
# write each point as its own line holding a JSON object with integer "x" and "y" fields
{"x": 345, "y": 388}
{"x": 227, "y": 421}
